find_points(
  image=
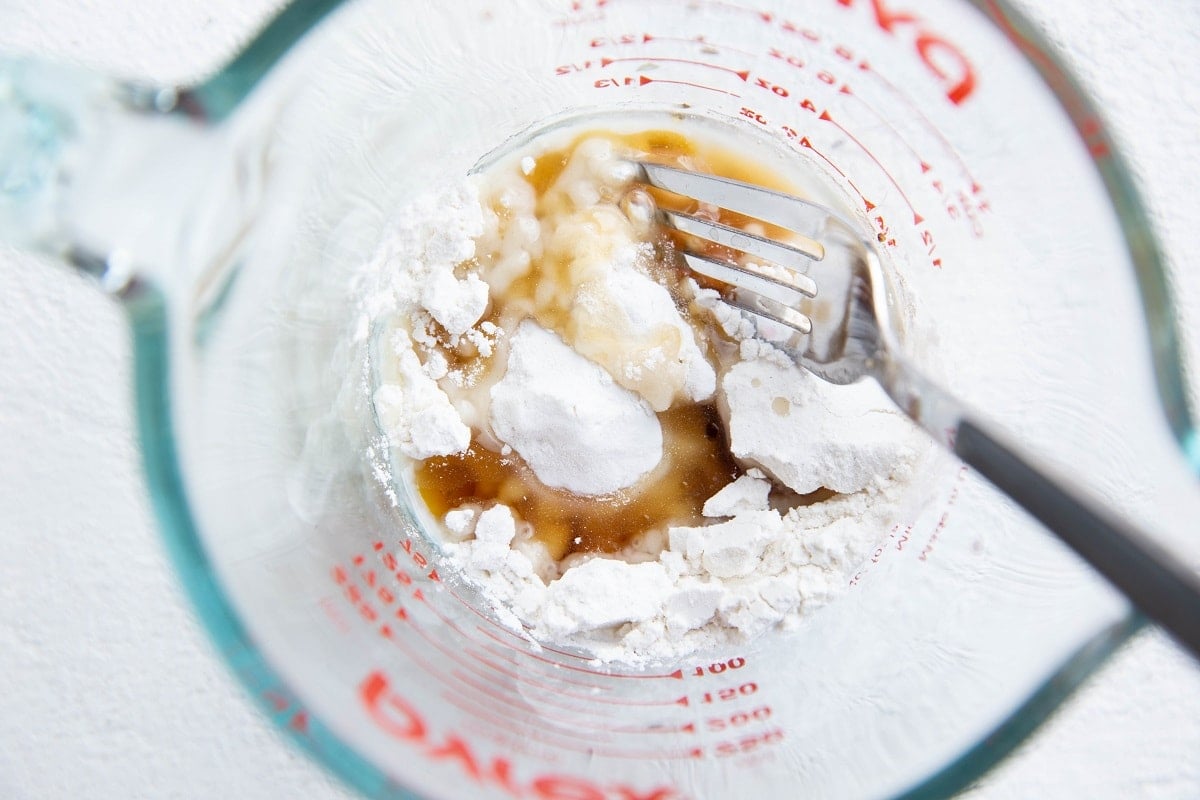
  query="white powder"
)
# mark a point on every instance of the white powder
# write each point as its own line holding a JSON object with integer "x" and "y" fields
{"x": 640, "y": 310}
{"x": 809, "y": 433}
{"x": 586, "y": 597}
{"x": 628, "y": 324}
{"x": 575, "y": 427}
{"x": 750, "y": 492}
{"x": 418, "y": 263}
{"x": 714, "y": 586}
{"x": 455, "y": 304}
{"x": 577, "y": 405}
{"x": 416, "y": 414}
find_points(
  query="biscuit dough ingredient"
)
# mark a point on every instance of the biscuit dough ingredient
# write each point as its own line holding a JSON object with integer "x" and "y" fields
{"x": 533, "y": 331}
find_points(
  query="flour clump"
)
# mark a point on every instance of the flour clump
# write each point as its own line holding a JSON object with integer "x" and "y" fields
{"x": 575, "y": 427}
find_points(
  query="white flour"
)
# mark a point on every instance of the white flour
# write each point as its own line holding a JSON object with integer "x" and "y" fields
{"x": 569, "y": 420}
{"x": 577, "y": 405}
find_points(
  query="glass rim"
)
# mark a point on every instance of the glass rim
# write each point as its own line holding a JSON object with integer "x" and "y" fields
{"x": 217, "y": 97}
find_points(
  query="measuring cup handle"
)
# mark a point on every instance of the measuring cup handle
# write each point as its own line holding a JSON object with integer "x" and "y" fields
{"x": 46, "y": 111}
{"x": 94, "y": 171}
{"x": 1151, "y": 578}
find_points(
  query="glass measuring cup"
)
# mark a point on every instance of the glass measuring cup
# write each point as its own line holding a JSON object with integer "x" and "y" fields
{"x": 247, "y": 555}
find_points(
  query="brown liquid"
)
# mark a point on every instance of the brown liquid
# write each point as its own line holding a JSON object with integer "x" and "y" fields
{"x": 696, "y": 464}
{"x": 696, "y": 460}
{"x": 535, "y": 291}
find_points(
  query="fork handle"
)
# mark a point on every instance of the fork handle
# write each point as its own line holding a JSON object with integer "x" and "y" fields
{"x": 1152, "y": 580}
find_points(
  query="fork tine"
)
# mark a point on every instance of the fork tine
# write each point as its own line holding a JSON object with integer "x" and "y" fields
{"x": 786, "y": 255}
{"x": 731, "y": 273}
{"x": 805, "y": 218}
{"x": 763, "y": 306}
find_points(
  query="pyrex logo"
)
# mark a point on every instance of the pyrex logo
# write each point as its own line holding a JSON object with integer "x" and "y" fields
{"x": 944, "y": 59}
{"x": 396, "y": 716}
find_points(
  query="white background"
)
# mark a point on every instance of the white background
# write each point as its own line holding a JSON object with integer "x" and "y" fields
{"x": 108, "y": 688}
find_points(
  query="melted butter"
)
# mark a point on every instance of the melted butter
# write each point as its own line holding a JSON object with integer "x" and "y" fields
{"x": 696, "y": 464}
{"x": 546, "y": 290}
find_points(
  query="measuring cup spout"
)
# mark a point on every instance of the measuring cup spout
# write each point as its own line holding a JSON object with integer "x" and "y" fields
{"x": 100, "y": 173}
{"x": 45, "y": 113}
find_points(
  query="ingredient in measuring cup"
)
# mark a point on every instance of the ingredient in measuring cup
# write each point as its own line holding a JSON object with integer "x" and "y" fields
{"x": 614, "y": 459}
{"x": 566, "y": 417}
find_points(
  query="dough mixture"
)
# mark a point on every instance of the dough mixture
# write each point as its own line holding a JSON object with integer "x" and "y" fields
{"x": 610, "y": 455}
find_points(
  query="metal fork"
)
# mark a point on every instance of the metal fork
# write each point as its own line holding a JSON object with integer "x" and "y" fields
{"x": 860, "y": 340}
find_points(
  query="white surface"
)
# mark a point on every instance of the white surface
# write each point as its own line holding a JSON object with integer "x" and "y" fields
{"x": 108, "y": 689}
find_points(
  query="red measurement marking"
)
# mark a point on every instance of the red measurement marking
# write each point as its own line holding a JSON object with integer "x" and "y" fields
{"x": 505, "y": 723}
{"x": 574, "y": 720}
{"x": 917, "y": 218}
{"x": 748, "y": 743}
{"x": 676, "y": 675}
{"x": 467, "y": 668}
{"x": 643, "y": 80}
{"x": 879, "y": 551}
{"x": 936, "y": 53}
{"x": 591, "y": 699}
{"x": 475, "y": 611}
{"x": 646, "y": 37}
{"x": 941, "y": 523}
{"x": 497, "y": 626}
{"x": 432, "y": 641}
{"x": 558, "y": 665}
{"x": 513, "y": 659}
{"x": 588, "y": 747}
{"x": 729, "y": 693}
{"x": 558, "y": 652}
{"x": 739, "y": 719}
{"x": 719, "y": 667}
{"x": 791, "y": 27}
{"x": 418, "y": 658}
{"x": 455, "y": 655}
{"x": 395, "y": 716}
{"x": 688, "y": 728}
{"x": 925, "y": 166}
{"x": 764, "y": 16}
{"x": 937, "y": 530}
{"x": 607, "y": 41}
{"x": 299, "y": 722}
{"x": 744, "y": 74}
{"x": 278, "y": 702}
{"x": 806, "y": 142}
{"x": 937, "y": 133}
{"x": 521, "y": 651}
{"x": 568, "y": 725}
{"x": 523, "y": 677}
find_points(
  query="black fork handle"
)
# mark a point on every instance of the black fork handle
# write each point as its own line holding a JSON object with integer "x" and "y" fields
{"x": 1151, "y": 578}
